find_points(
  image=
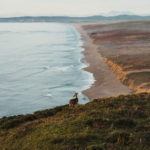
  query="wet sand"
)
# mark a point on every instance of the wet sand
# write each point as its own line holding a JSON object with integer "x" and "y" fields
{"x": 106, "y": 84}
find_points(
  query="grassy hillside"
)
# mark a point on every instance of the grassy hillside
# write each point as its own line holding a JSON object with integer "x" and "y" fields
{"x": 121, "y": 123}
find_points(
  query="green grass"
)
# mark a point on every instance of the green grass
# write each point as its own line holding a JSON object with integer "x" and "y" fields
{"x": 121, "y": 123}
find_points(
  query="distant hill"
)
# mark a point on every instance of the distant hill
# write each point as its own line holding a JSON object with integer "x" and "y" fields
{"x": 117, "y": 13}
{"x": 66, "y": 19}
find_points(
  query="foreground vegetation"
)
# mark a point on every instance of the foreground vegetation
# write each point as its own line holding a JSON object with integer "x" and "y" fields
{"x": 121, "y": 123}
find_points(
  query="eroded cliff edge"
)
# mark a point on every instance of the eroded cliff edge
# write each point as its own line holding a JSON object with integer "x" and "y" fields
{"x": 125, "y": 47}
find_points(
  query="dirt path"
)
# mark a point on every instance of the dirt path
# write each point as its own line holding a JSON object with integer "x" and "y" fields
{"x": 106, "y": 84}
{"x": 138, "y": 71}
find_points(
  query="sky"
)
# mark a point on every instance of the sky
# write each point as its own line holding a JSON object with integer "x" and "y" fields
{"x": 72, "y": 7}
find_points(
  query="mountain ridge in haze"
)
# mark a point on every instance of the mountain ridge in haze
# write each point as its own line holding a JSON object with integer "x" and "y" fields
{"x": 117, "y": 13}
{"x": 67, "y": 19}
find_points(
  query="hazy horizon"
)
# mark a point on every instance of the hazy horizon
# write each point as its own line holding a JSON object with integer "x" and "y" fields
{"x": 102, "y": 14}
{"x": 15, "y": 8}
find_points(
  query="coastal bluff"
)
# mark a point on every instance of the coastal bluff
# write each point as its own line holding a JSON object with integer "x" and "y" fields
{"x": 107, "y": 123}
{"x": 125, "y": 48}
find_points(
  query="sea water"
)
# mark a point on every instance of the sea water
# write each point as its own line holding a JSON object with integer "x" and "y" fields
{"x": 41, "y": 66}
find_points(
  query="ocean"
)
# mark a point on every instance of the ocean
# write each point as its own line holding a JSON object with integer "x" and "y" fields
{"x": 41, "y": 66}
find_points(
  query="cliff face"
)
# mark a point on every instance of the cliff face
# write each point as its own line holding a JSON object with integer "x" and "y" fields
{"x": 118, "y": 70}
{"x": 126, "y": 49}
{"x": 129, "y": 77}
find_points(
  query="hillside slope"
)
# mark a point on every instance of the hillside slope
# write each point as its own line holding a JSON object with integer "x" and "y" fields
{"x": 119, "y": 123}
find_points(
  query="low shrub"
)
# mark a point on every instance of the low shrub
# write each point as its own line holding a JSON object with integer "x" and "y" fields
{"x": 119, "y": 137}
{"x": 124, "y": 123}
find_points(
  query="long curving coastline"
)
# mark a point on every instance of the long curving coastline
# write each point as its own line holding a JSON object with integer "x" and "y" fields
{"x": 106, "y": 84}
{"x": 118, "y": 54}
{"x": 103, "y": 123}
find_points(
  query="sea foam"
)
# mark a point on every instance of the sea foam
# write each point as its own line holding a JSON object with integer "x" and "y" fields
{"x": 41, "y": 66}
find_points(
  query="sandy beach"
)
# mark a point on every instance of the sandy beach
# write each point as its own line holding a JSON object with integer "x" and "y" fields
{"x": 106, "y": 84}
{"x": 118, "y": 56}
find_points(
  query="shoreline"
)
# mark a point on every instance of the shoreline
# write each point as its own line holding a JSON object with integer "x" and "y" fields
{"x": 106, "y": 84}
